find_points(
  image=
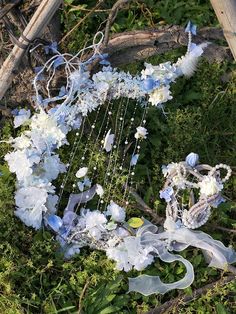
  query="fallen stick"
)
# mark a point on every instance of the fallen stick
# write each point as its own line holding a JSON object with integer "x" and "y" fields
{"x": 168, "y": 306}
{"x": 38, "y": 22}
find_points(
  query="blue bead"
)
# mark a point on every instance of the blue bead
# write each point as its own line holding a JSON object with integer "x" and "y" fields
{"x": 54, "y": 222}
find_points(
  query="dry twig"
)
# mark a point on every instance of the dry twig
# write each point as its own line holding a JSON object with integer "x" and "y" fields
{"x": 145, "y": 207}
{"x": 111, "y": 17}
{"x": 81, "y": 297}
{"x": 180, "y": 300}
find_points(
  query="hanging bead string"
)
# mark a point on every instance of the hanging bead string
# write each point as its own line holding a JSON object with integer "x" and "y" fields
{"x": 111, "y": 155}
{"x": 78, "y": 137}
{"x": 131, "y": 172}
{"x": 133, "y": 167}
{"x": 119, "y": 139}
{"x": 108, "y": 110}
{"x": 86, "y": 149}
{"x": 127, "y": 135}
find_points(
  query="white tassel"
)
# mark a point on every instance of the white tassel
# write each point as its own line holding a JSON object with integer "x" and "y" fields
{"x": 188, "y": 63}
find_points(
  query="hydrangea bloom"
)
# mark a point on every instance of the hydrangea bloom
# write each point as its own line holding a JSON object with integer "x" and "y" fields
{"x": 21, "y": 117}
{"x": 130, "y": 254}
{"x": 116, "y": 212}
{"x": 30, "y": 204}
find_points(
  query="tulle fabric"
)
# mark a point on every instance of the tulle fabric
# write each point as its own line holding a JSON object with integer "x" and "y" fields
{"x": 179, "y": 239}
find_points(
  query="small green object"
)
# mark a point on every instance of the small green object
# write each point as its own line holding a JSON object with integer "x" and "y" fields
{"x": 135, "y": 222}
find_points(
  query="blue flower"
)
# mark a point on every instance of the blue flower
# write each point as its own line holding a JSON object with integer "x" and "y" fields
{"x": 167, "y": 193}
{"x": 58, "y": 61}
{"x": 191, "y": 28}
{"x": 149, "y": 84}
{"x": 62, "y": 91}
{"x": 40, "y": 76}
{"x": 134, "y": 160}
{"x": 51, "y": 48}
{"x": 85, "y": 183}
{"x": 217, "y": 202}
{"x": 192, "y": 159}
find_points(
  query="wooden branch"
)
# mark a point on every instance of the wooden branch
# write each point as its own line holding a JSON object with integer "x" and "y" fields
{"x": 111, "y": 17}
{"x": 180, "y": 300}
{"x": 134, "y": 46}
{"x": 38, "y": 22}
{"x": 143, "y": 206}
{"x": 222, "y": 228}
{"x": 226, "y": 13}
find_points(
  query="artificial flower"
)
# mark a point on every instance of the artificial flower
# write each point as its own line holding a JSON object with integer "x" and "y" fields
{"x": 160, "y": 95}
{"x": 141, "y": 133}
{"x": 116, "y": 212}
{"x": 21, "y": 117}
{"x": 210, "y": 186}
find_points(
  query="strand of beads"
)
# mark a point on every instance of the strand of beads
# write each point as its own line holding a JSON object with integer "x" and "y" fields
{"x": 78, "y": 137}
{"x": 221, "y": 166}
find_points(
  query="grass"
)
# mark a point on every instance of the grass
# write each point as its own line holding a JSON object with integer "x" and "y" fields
{"x": 34, "y": 278}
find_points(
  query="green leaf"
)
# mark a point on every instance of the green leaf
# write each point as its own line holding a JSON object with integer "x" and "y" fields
{"x": 220, "y": 309}
{"x": 135, "y": 222}
{"x": 110, "y": 309}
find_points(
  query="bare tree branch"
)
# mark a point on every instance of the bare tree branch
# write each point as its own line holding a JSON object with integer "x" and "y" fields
{"x": 111, "y": 17}
{"x": 180, "y": 300}
{"x": 143, "y": 206}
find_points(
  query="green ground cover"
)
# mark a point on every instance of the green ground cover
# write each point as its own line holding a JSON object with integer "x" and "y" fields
{"x": 34, "y": 278}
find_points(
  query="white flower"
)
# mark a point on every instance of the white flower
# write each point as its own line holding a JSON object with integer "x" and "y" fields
{"x": 94, "y": 219}
{"x": 52, "y": 167}
{"x": 33, "y": 217}
{"x": 21, "y": 142}
{"x": 81, "y": 172}
{"x": 159, "y": 72}
{"x": 45, "y": 132}
{"x": 116, "y": 212}
{"x": 160, "y": 95}
{"x": 21, "y": 162}
{"x": 210, "y": 186}
{"x": 130, "y": 254}
{"x": 99, "y": 190}
{"x": 141, "y": 133}
{"x": 95, "y": 233}
{"x": 30, "y": 204}
{"x": 122, "y": 232}
{"x": 51, "y": 203}
{"x": 74, "y": 249}
{"x": 22, "y": 116}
